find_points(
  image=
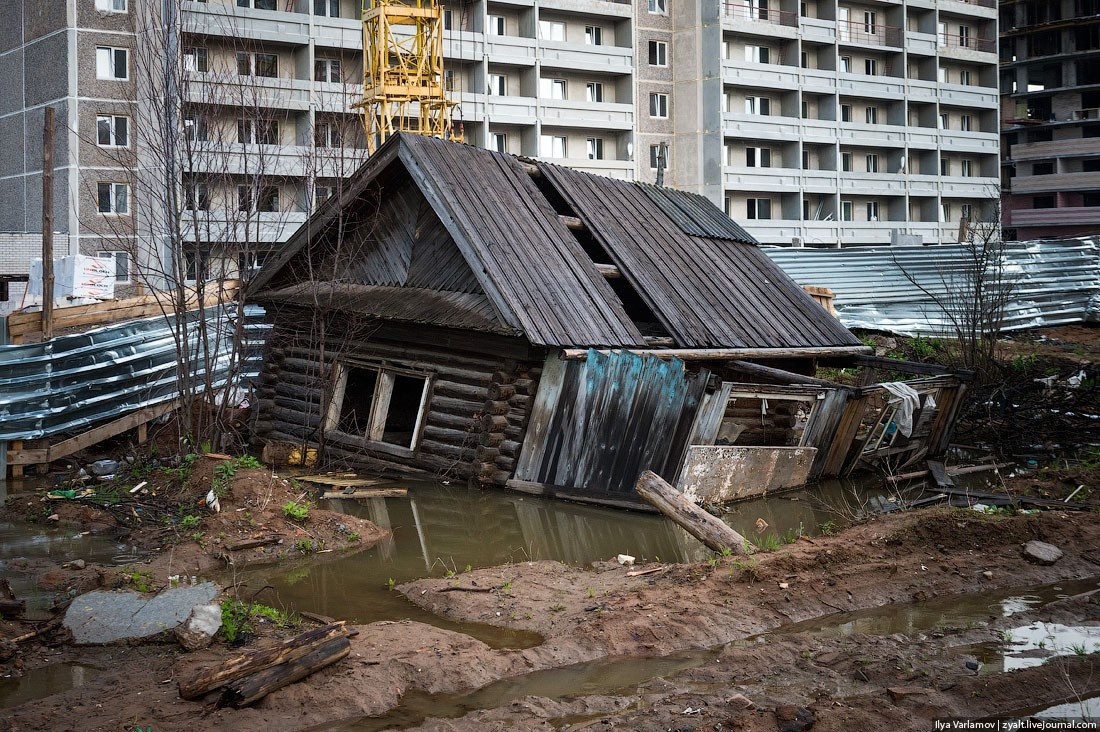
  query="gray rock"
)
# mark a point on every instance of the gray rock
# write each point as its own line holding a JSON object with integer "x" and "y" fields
{"x": 201, "y": 626}
{"x": 78, "y": 564}
{"x": 1042, "y": 553}
{"x": 790, "y": 718}
{"x": 103, "y": 467}
{"x": 109, "y": 617}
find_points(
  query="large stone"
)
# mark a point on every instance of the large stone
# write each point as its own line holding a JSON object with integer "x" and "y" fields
{"x": 790, "y": 718}
{"x": 1042, "y": 553}
{"x": 110, "y": 617}
{"x": 201, "y": 626}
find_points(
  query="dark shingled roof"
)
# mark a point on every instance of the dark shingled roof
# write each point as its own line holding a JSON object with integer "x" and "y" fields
{"x": 699, "y": 273}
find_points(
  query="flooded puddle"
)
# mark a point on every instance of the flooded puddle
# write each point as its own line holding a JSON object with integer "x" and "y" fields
{"x": 42, "y": 682}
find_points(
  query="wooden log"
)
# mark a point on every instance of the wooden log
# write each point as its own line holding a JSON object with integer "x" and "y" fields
{"x": 951, "y": 470}
{"x": 710, "y": 530}
{"x": 459, "y": 391}
{"x": 501, "y": 391}
{"x": 495, "y": 407}
{"x": 454, "y": 452}
{"x": 519, "y": 401}
{"x": 457, "y": 407}
{"x": 490, "y": 439}
{"x": 208, "y": 679}
{"x": 506, "y": 463}
{"x": 485, "y": 454}
{"x": 509, "y": 448}
{"x": 252, "y": 543}
{"x": 729, "y": 354}
{"x": 255, "y": 687}
{"x": 525, "y": 387}
{"x": 446, "y": 435}
{"x": 503, "y": 377}
{"x": 493, "y": 423}
{"x": 464, "y": 423}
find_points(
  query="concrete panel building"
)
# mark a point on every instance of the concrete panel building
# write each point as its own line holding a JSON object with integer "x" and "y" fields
{"x": 816, "y": 123}
{"x": 1050, "y": 80}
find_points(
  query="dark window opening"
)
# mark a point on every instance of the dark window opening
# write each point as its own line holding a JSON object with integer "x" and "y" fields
{"x": 403, "y": 414}
{"x": 382, "y": 406}
{"x": 1042, "y": 202}
{"x": 1042, "y": 168}
{"x": 1091, "y": 199}
{"x": 358, "y": 399}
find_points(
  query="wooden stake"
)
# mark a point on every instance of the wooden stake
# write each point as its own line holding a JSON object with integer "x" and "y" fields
{"x": 710, "y": 530}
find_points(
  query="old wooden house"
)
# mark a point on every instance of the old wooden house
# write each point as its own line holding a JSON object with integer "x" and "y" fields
{"x": 474, "y": 314}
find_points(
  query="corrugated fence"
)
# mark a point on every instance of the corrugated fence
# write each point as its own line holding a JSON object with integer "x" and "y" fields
{"x": 74, "y": 381}
{"x": 901, "y": 289}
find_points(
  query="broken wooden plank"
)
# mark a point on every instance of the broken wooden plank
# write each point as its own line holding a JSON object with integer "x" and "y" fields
{"x": 368, "y": 493}
{"x": 343, "y": 480}
{"x": 252, "y": 688}
{"x": 206, "y": 680}
{"x": 252, "y": 543}
{"x": 710, "y": 530}
{"x": 951, "y": 470}
{"x": 939, "y": 474}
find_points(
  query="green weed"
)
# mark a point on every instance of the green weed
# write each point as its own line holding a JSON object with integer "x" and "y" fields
{"x": 296, "y": 511}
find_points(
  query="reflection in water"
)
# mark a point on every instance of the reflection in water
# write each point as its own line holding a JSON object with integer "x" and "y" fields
{"x": 42, "y": 682}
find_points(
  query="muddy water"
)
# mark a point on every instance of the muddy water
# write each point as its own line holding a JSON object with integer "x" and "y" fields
{"x": 40, "y": 682}
{"x": 441, "y": 529}
{"x": 625, "y": 676}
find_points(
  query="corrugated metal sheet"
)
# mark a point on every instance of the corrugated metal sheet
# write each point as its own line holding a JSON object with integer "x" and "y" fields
{"x": 708, "y": 293}
{"x": 695, "y": 214}
{"x": 896, "y": 289}
{"x": 72, "y": 382}
{"x": 407, "y": 304}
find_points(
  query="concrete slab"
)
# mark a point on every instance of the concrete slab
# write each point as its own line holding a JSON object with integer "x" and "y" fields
{"x": 718, "y": 474}
{"x": 110, "y": 617}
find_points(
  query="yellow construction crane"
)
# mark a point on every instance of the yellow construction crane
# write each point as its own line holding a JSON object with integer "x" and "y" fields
{"x": 403, "y": 71}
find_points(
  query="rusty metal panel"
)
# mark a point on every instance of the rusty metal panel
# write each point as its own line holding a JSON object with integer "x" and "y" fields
{"x": 719, "y": 474}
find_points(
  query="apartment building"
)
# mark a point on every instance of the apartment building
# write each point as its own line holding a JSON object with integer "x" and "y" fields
{"x": 816, "y": 123}
{"x": 1050, "y": 85}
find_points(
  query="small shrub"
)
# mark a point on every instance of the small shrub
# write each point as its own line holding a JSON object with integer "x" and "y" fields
{"x": 354, "y": 536}
{"x": 296, "y": 511}
{"x": 305, "y": 546}
{"x": 247, "y": 461}
{"x": 189, "y": 522}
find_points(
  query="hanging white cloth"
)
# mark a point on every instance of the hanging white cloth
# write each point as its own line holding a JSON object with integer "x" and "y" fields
{"x": 908, "y": 400}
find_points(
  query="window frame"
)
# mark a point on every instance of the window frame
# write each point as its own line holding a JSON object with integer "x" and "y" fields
{"x": 498, "y": 142}
{"x": 593, "y": 91}
{"x": 658, "y": 105}
{"x": 196, "y": 196}
{"x": 872, "y": 211}
{"x": 593, "y": 35}
{"x": 871, "y": 162}
{"x": 759, "y": 106}
{"x": 196, "y": 60}
{"x": 266, "y": 195}
{"x": 594, "y": 148}
{"x": 658, "y": 7}
{"x": 496, "y": 25}
{"x": 119, "y": 257}
{"x": 258, "y": 131}
{"x": 658, "y": 54}
{"x": 253, "y": 58}
{"x": 325, "y": 68}
{"x": 373, "y": 435}
{"x": 497, "y": 85}
{"x": 326, "y": 5}
{"x": 549, "y": 146}
{"x": 754, "y": 207}
{"x": 556, "y": 89}
{"x": 112, "y": 130}
{"x": 112, "y": 63}
{"x": 108, "y": 6}
{"x": 758, "y": 157}
{"x": 113, "y": 188}
{"x": 870, "y": 115}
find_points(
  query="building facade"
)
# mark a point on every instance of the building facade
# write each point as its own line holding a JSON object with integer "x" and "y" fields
{"x": 816, "y": 123}
{"x": 1050, "y": 82}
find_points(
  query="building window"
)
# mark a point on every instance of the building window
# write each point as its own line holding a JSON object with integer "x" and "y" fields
{"x": 805, "y": 159}
{"x": 845, "y": 210}
{"x": 257, "y": 4}
{"x": 758, "y": 157}
{"x": 552, "y": 146}
{"x": 658, "y": 53}
{"x": 659, "y": 7}
{"x": 967, "y": 211}
{"x": 966, "y": 168}
{"x": 196, "y": 196}
{"x": 846, "y": 64}
{"x": 964, "y": 36}
{"x": 758, "y": 208}
{"x": 552, "y": 30}
{"x": 846, "y": 161}
{"x": 331, "y": 8}
{"x": 845, "y": 112}
{"x": 326, "y": 134}
{"x": 758, "y": 105}
{"x": 658, "y": 105}
{"x": 322, "y": 194}
{"x": 942, "y": 76}
{"x": 112, "y": 6}
{"x": 965, "y": 123}
{"x": 758, "y": 9}
{"x": 257, "y": 64}
{"x": 326, "y": 69}
{"x": 872, "y": 210}
{"x": 449, "y": 80}
{"x": 870, "y": 23}
{"x": 383, "y": 405}
{"x": 498, "y": 141}
{"x": 195, "y": 265}
{"x": 122, "y": 265}
{"x": 758, "y": 54}
{"x": 196, "y": 129}
{"x": 112, "y": 63}
{"x": 498, "y": 85}
{"x": 594, "y": 148}
{"x": 593, "y": 35}
{"x": 553, "y": 88}
{"x": 964, "y": 77}
{"x": 196, "y": 60}
{"x": 944, "y": 121}
{"x": 448, "y": 19}
{"x": 497, "y": 26}
{"x": 112, "y": 131}
{"x": 945, "y": 212}
{"x": 264, "y": 199}
{"x": 945, "y": 166}
{"x": 870, "y": 66}
{"x": 258, "y": 131}
{"x": 872, "y": 163}
{"x": 871, "y": 115}
{"x": 113, "y": 198}
{"x": 594, "y": 91}
{"x": 1042, "y": 202}
{"x": 658, "y": 156}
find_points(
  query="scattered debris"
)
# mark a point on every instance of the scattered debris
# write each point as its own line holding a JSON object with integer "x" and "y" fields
{"x": 710, "y": 530}
{"x": 625, "y": 560}
{"x": 367, "y": 493}
{"x": 201, "y": 626}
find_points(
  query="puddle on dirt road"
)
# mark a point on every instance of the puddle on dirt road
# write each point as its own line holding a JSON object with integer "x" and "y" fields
{"x": 625, "y": 675}
{"x": 42, "y": 682}
{"x": 441, "y": 529}
{"x": 30, "y": 542}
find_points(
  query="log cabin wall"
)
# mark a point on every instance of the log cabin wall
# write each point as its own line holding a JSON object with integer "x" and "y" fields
{"x": 471, "y": 423}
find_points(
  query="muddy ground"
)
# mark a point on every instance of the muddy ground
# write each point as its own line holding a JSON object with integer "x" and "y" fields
{"x": 792, "y": 681}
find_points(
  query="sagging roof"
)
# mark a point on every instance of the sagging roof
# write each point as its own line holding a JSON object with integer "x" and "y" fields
{"x": 498, "y": 249}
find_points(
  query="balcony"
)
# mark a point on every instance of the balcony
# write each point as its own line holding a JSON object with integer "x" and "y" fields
{"x": 923, "y": 185}
{"x": 969, "y": 96}
{"x": 970, "y": 142}
{"x": 754, "y": 125}
{"x": 269, "y": 228}
{"x": 501, "y": 110}
{"x": 344, "y": 33}
{"x": 749, "y": 16}
{"x": 861, "y": 85}
{"x": 511, "y": 50}
{"x": 246, "y": 159}
{"x": 970, "y": 7}
{"x": 565, "y": 113}
{"x": 248, "y": 91}
{"x": 964, "y": 47}
{"x": 583, "y": 57}
{"x": 269, "y": 26}
{"x": 819, "y": 31}
{"x": 973, "y": 187}
{"x": 868, "y": 34}
{"x": 822, "y": 131}
{"x": 1059, "y": 182}
{"x": 611, "y": 8}
{"x": 1069, "y": 216}
{"x": 1079, "y": 147}
{"x": 921, "y": 43}
{"x": 819, "y": 181}
{"x": 872, "y": 184}
{"x": 926, "y": 138}
{"x": 739, "y": 73}
{"x": 876, "y": 135}
{"x": 922, "y": 91}
{"x": 621, "y": 169}
{"x": 774, "y": 180}
{"x": 817, "y": 81}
